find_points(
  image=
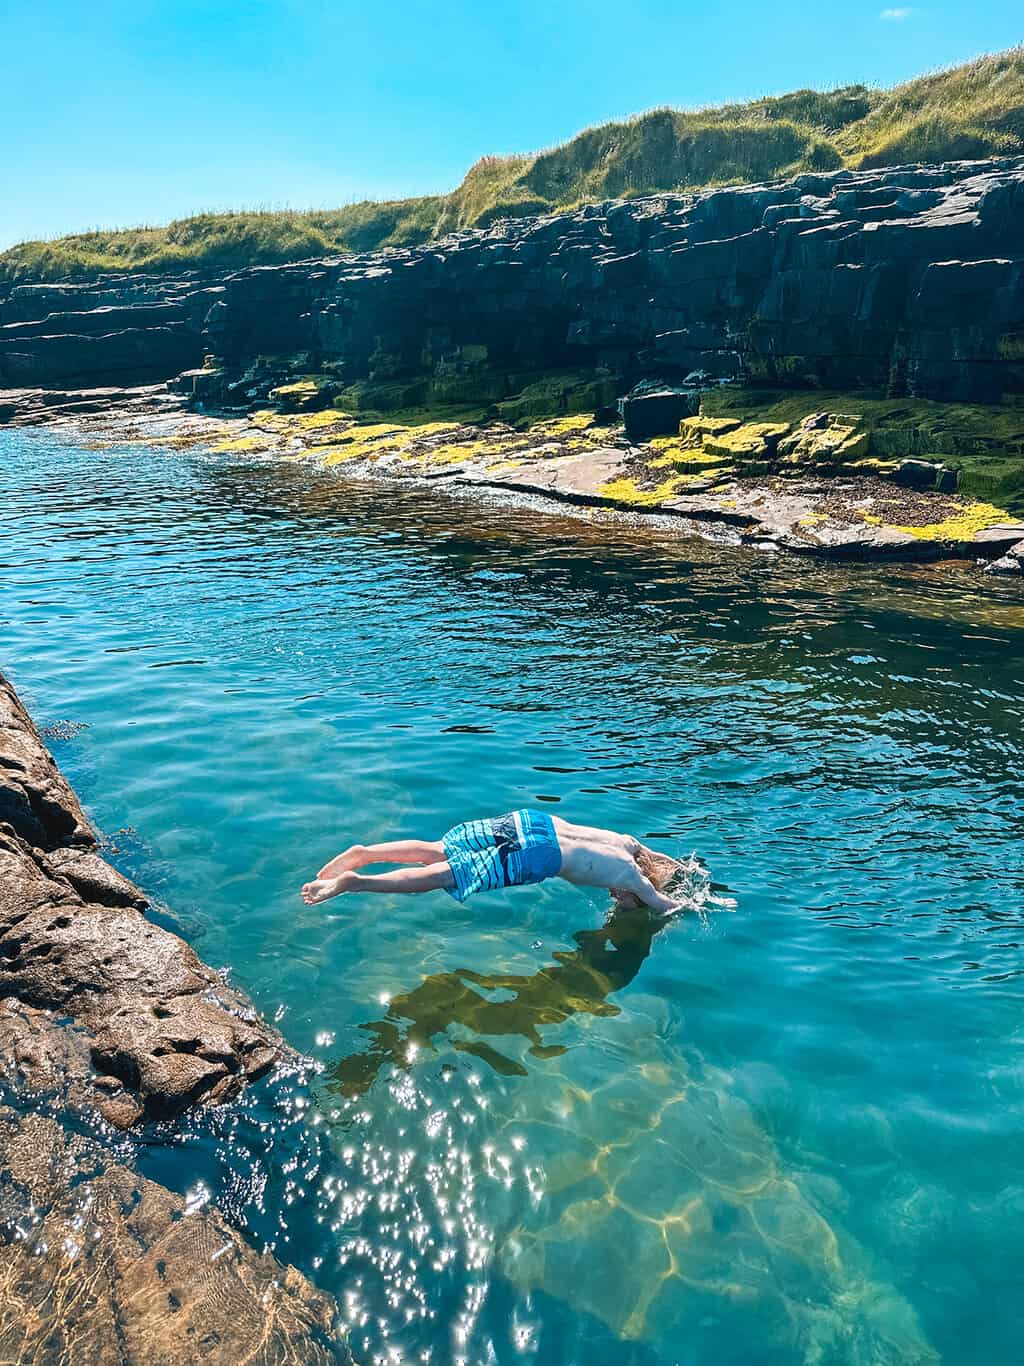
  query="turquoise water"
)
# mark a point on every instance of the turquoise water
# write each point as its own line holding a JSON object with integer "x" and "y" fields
{"x": 788, "y": 1134}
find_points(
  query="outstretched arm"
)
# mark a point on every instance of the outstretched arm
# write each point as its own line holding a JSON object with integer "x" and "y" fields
{"x": 428, "y": 879}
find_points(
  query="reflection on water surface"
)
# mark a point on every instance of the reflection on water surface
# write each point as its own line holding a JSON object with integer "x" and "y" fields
{"x": 791, "y": 1134}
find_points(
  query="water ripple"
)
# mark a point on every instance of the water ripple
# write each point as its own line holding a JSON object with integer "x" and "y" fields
{"x": 532, "y": 1132}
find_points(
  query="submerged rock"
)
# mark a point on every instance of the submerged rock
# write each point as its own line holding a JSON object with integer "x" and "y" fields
{"x": 99, "y": 1264}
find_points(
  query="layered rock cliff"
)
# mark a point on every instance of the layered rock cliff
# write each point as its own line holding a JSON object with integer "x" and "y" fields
{"x": 906, "y": 280}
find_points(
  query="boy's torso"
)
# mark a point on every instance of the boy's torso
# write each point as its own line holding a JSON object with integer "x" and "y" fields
{"x": 591, "y": 856}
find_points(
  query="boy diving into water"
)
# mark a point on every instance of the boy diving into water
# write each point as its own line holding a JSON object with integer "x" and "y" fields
{"x": 514, "y": 850}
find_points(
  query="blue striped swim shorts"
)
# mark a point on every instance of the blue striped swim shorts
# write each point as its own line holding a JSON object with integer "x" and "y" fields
{"x": 505, "y": 851}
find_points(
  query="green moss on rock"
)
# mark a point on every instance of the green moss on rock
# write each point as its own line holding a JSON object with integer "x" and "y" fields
{"x": 561, "y": 392}
{"x": 982, "y": 444}
{"x": 382, "y": 396}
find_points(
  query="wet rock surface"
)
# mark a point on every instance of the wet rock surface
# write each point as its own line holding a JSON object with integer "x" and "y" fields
{"x": 1010, "y": 563}
{"x": 73, "y": 939}
{"x": 103, "y": 1013}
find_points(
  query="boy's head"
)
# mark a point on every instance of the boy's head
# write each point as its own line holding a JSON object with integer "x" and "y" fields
{"x": 659, "y": 869}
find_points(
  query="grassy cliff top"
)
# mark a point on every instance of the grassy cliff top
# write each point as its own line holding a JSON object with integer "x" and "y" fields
{"x": 967, "y": 112}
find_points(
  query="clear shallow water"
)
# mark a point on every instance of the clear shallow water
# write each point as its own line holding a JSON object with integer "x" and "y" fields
{"x": 792, "y": 1134}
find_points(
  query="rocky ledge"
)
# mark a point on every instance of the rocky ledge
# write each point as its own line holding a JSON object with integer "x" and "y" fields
{"x": 103, "y": 1013}
{"x": 832, "y": 364}
{"x": 771, "y": 471}
{"x": 908, "y": 278}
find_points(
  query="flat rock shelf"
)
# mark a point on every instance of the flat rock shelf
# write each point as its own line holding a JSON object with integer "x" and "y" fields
{"x": 781, "y": 486}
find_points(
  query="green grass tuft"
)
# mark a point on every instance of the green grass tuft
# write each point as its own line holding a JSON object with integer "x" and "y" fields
{"x": 970, "y": 111}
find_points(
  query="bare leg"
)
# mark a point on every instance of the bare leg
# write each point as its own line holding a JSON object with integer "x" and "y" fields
{"x": 429, "y": 879}
{"x": 398, "y": 851}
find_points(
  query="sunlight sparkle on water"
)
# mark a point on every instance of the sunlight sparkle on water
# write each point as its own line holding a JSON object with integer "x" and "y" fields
{"x": 533, "y": 1129}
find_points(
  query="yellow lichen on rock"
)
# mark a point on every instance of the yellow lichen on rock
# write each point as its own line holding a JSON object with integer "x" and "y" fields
{"x": 327, "y": 417}
{"x": 300, "y": 425}
{"x": 351, "y": 450}
{"x": 308, "y": 386}
{"x": 458, "y": 452}
{"x": 419, "y": 431}
{"x": 823, "y": 439}
{"x": 751, "y": 440}
{"x": 562, "y": 426}
{"x": 245, "y": 445}
{"x": 626, "y": 490}
{"x": 961, "y": 526}
{"x": 370, "y": 431}
{"x": 373, "y": 440}
{"x": 693, "y": 430}
{"x": 675, "y": 453}
{"x": 871, "y": 465}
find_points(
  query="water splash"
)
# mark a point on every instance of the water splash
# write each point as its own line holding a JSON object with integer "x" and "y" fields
{"x": 691, "y": 884}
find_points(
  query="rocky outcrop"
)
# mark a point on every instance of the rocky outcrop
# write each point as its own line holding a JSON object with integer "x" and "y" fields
{"x": 36, "y": 406}
{"x": 1010, "y": 563}
{"x": 161, "y": 1025}
{"x": 909, "y": 280}
{"x": 103, "y": 1011}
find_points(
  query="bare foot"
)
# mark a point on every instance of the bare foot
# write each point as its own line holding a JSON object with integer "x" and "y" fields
{"x": 322, "y": 889}
{"x": 343, "y": 862}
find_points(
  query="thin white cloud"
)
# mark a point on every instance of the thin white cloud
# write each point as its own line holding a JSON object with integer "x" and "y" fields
{"x": 896, "y": 16}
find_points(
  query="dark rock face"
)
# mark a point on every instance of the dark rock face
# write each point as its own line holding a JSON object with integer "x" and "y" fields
{"x": 98, "y": 1264}
{"x": 120, "y": 330}
{"x": 909, "y": 279}
{"x": 645, "y": 415}
{"x": 905, "y": 279}
{"x": 73, "y": 939}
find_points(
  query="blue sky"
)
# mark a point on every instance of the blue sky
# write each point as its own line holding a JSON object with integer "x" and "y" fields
{"x": 121, "y": 113}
